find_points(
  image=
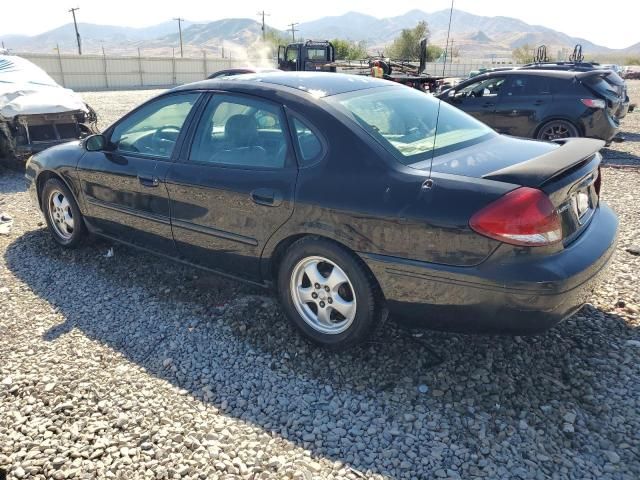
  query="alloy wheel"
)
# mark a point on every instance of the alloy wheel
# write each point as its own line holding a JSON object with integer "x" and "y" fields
{"x": 323, "y": 295}
{"x": 555, "y": 131}
{"x": 61, "y": 215}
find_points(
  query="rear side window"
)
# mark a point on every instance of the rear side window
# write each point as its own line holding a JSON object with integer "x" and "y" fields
{"x": 308, "y": 142}
{"x": 240, "y": 132}
{"x": 525, "y": 85}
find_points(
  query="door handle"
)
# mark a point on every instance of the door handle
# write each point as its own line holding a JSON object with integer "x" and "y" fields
{"x": 149, "y": 181}
{"x": 538, "y": 102}
{"x": 267, "y": 197}
{"x": 488, "y": 104}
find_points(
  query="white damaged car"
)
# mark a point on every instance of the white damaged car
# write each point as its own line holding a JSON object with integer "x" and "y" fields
{"x": 36, "y": 112}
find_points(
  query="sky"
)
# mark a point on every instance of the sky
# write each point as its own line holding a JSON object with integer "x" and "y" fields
{"x": 615, "y": 27}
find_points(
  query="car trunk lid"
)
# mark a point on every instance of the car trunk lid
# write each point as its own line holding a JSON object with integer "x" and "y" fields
{"x": 569, "y": 175}
{"x": 607, "y": 85}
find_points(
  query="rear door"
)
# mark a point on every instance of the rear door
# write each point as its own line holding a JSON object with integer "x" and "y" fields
{"x": 524, "y": 103}
{"x": 123, "y": 186}
{"x": 480, "y": 98}
{"x": 234, "y": 184}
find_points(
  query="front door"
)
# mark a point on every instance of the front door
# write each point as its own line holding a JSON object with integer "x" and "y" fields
{"x": 123, "y": 186}
{"x": 234, "y": 186}
{"x": 480, "y": 99}
{"x": 523, "y": 105}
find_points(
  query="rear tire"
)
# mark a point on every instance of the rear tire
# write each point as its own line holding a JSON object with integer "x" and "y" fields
{"x": 328, "y": 294}
{"x": 62, "y": 214}
{"x": 556, "y": 129}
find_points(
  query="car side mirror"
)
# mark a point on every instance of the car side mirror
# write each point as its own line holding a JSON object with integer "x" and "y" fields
{"x": 452, "y": 93}
{"x": 95, "y": 143}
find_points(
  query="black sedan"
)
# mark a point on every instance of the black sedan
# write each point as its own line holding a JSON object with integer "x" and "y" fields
{"x": 545, "y": 104}
{"x": 353, "y": 196}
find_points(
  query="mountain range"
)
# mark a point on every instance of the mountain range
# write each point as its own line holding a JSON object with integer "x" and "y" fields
{"x": 473, "y": 35}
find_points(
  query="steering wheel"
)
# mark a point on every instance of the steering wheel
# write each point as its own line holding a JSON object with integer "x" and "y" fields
{"x": 158, "y": 139}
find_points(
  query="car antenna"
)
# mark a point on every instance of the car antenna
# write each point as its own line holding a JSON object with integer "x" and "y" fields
{"x": 429, "y": 182}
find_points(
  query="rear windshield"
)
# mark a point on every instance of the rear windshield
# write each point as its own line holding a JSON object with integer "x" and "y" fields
{"x": 604, "y": 84}
{"x": 404, "y": 121}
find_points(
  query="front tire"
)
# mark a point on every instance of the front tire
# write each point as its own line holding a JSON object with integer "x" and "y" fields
{"x": 557, "y": 129}
{"x": 328, "y": 294}
{"x": 62, "y": 214}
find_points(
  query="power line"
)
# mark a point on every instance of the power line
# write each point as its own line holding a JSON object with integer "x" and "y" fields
{"x": 293, "y": 30}
{"x": 75, "y": 24}
{"x": 180, "y": 20}
{"x": 263, "y": 14}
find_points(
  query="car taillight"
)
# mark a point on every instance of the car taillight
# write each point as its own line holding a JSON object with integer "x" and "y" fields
{"x": 593, "y": 102}
{"x": 524, "y": 216}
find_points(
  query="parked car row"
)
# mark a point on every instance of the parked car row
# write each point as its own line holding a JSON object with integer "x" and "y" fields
{"x": 352, "y": 196}
{"x": 545, "y": 104}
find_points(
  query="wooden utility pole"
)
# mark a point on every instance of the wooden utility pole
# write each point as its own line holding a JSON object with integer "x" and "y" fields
{"x": 263, "y": 14}
{"x": 75, "y": 24}
{"x": 180, "y": 20}
{"x": 293, "y": 31}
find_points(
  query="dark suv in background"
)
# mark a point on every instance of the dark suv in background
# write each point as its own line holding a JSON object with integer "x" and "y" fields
{"x": 614, "y": 78}
{"x": 545, "y": 104}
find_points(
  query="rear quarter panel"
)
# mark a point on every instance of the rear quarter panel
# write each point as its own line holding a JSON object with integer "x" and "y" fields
{"x": 361, "y": 196}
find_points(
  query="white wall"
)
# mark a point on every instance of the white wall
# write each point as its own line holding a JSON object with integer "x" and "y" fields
{"x": 97, "y": 72}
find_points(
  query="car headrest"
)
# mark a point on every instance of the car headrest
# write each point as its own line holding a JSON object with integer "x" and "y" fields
{"x": 241, "y": 130}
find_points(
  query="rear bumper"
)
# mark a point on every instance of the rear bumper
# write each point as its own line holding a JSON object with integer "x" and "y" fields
{"x": 601, "y": 125}
{"x": 523, "y": 295}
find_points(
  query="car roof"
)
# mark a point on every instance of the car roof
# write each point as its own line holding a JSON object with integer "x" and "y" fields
{"x": 316, "y": 84}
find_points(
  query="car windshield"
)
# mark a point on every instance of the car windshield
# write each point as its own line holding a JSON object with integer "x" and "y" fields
{"x": 406, "y": 122}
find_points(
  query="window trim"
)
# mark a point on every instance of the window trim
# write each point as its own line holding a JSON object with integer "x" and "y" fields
{"x": 179, "y": 141}
{"x": 324, "y": 145}
{"x": 185, "y": 153}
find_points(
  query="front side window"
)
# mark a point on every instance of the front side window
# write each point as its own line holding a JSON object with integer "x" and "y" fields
{"x": 489, "y": 87}
{"x": 241, "y": 132}
{"x": 408, "y": 123}
{"x": 154, "y": 128}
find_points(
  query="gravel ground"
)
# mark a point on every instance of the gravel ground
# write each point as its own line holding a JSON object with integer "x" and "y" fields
{"x": 132, "y": 367}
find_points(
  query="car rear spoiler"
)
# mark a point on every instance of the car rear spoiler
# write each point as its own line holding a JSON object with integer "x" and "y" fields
{"x": 612, "y": 76}
{"x": 538, "y": 170}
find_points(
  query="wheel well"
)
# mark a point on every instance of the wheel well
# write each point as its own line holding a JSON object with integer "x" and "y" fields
{"x": 555, "y": 119}
{"x": 42, "y": 179}
{"x": 280, "y": 250}
{"x": 284, "y": 245}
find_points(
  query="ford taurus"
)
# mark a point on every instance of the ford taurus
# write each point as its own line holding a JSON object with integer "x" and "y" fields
{"x": 352, "y": 196}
